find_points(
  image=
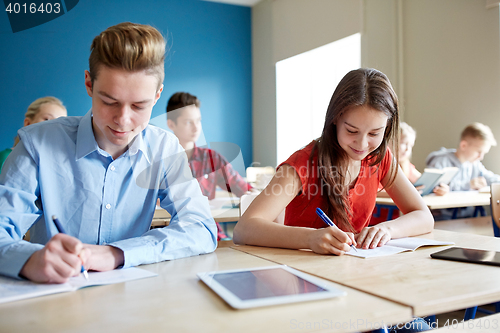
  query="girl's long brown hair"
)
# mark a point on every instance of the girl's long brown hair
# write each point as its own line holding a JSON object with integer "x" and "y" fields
{"x": 364, "y": 86}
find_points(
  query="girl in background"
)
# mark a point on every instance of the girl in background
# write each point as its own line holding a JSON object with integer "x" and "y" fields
{"x": 42, "y": 109}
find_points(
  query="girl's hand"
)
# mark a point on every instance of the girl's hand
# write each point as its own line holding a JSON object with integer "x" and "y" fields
{"x": 330, "y": 240}
{"x": 372, "y": 237}
{"x": 441, "y": 189}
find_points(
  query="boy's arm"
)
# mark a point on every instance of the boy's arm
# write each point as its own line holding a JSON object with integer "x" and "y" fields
{"x": 18, "y": 210}
{"x": 228, "y": 178}
{"x": 490, "y": 176}
{"x": 191, "y": 231}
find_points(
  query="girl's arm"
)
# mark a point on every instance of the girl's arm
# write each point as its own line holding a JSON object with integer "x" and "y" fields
{"x": 256, "y": 226}
{"x": 417, "y": 218}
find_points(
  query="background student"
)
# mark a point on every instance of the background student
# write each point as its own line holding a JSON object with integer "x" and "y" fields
{"x": 101, "y": 175}
{"x": 407, "y": 136}
{"x": 475, "y": 142}
{"x": 210, "y": 168}
{"x": 42, "y": 109}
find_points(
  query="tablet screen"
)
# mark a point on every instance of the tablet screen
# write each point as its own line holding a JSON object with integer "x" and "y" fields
{"x": 264, "y": 286}
{"x": 469, "y": 255}
{"x": 264, "y": 283}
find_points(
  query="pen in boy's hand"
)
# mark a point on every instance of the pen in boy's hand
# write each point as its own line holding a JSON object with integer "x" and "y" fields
{"x": 329, "y": 222}
{"x": 61, "y": 230}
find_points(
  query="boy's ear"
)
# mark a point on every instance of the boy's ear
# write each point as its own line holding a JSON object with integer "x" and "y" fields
{"x": 88, "y": 83}
{"x": 158, "y": 94}
{"x": 170, "y": 124}
{"x": 27, "y": 121}
{"x": 463, "y": 145}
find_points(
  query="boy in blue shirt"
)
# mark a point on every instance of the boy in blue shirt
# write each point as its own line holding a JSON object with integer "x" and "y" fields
{"x": 101, "y": 175}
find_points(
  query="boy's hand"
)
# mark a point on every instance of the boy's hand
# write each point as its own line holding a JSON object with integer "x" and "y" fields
{"x": 478, "y": 183}
{"x": 330, "y": 240}
{"x": 61, "y": 258}
{"x": 372, "y": 237}
{"x": 104, "y": 257}
{"x": 441, "y": 189}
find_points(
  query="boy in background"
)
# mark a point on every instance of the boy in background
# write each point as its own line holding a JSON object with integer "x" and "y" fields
{"x": 101, "y": 175}
{"x": 208, "y": 167}
{"x": 475, "y": 142}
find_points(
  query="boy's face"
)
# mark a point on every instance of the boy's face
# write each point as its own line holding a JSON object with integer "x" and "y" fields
{"x": 121, "y": 106}
{"x": 187, "y": 127}
{"x": 406, "y": 143}
{"x": 473, "y": 149}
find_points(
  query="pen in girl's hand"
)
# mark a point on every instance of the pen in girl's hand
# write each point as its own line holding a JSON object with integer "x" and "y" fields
{"x": 61, "y": 230}
{"x": 329, "y": 222}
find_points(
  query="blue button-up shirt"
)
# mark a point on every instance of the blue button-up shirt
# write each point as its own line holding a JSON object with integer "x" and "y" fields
{"x": 58, "y": 169}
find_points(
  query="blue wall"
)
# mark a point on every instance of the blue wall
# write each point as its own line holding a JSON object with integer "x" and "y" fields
{"x": 210, "y": 57}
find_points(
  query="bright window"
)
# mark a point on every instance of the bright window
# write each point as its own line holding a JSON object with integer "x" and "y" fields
{"x": 304, "y": 86}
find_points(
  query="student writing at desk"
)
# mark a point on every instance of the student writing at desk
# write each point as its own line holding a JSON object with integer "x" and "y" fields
{"x": 340, "y": 173}
{"x": 210, "y": 168}
{"x": 475, "y": 142}
{"x": 101, "y": 174}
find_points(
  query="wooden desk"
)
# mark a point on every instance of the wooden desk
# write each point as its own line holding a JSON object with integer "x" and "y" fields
{"x": 475, "y": 225}
{"x": 450, "y": 200}
{"x": 161, "y": 217}
{"x": 177, "y": 301}
{"x": 428, "y": 286}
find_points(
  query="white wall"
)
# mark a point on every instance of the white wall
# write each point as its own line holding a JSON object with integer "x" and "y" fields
{"x": 282, "y": 29}
{"x": 442, "y": 57}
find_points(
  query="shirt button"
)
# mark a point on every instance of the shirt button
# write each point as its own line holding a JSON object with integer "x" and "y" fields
{"x": 206, "y": 176}
{"x": 112, "y": 168}
{"x": 108, "y": 206}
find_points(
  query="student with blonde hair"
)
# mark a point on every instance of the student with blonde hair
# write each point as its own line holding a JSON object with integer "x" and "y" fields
{"x": 475, "y": 142}
{"x": 407, "y": 136}
{"x": 101, "y": 175}
{"x": 42, "y": 109}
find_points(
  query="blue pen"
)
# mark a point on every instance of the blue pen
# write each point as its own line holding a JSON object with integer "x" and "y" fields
{"x": 61, "y": 230}
{"x": 329, "y": 222}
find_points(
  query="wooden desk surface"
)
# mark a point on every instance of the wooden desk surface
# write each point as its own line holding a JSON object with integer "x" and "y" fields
{"x": 427, "y": 285}
{"x": 450, "y": 200}
{"x": 219, "y": 208}
{"x": 177, "y": 301}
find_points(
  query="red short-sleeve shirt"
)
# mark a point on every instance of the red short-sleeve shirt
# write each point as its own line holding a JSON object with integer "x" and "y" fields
{"x": 301, "y": 211}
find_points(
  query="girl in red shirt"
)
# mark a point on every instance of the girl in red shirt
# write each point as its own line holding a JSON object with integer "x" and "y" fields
{"x": 339, "y": 173}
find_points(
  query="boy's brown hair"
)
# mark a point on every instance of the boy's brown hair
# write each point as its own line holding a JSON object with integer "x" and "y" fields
{"x": 180, "y": 100}
{"x": 478, "y": 131}
{"x": 129, "y": 46}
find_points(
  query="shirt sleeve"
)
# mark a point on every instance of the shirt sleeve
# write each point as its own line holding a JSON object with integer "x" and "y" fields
{"x": 19, "y": 210}
{"x": 192, "y": 230}
{"x": 228, "y": 178}
{"x": 490, "y": 176}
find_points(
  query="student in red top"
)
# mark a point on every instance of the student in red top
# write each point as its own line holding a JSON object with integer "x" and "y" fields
{"x": 340, "y": 173}
{"x": 209, "y": 167}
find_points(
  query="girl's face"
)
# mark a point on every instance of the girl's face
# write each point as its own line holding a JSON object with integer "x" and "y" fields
{"x": 406, "y": 143}
{"x": 360, "y": 131}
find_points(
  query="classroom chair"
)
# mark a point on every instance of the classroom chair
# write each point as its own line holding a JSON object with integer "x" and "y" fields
{"x": 470, "y": 313}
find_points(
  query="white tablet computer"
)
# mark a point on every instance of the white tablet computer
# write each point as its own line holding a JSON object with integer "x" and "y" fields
{"x": 263, "y": 286}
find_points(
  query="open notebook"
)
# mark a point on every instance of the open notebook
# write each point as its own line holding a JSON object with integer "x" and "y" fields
{"x": 13, "y": 290}
{"x": 396, "y": 246}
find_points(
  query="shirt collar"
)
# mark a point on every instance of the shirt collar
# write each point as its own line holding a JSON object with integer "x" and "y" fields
{"x": 86, "y": 143}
